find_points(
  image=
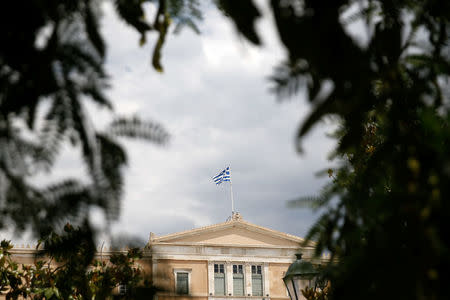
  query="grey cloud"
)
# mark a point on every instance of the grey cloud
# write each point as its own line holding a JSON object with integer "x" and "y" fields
{"x": 219, "y": 112}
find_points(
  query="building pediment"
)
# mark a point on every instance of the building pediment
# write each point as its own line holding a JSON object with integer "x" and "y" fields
{"x": 234, "y": 232}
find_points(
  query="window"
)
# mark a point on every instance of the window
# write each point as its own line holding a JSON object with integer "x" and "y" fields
{"x": 219, "y": 279}
{"x": 182, "y": 282}
{"x": 238, "y": 269}
{"x": 257, "y": 282}
{"x": 122, "y": 289}
{"x": 238, "y": 280}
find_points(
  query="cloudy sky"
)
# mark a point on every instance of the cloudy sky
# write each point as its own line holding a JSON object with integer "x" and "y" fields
{"x": 214, "y": 100}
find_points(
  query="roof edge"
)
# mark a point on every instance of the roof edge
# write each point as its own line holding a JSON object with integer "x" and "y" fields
{"x": 233, "y": 221}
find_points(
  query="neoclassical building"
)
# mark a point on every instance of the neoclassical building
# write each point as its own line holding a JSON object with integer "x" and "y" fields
{"x": 230, "y": 260}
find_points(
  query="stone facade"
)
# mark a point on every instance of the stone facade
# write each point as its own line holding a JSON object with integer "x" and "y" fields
{"x": 239, "y": 259}
{"x": 232, "y": 243}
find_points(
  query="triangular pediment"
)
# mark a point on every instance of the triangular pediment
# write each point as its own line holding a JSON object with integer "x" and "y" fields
{"x": 231, "y": 233}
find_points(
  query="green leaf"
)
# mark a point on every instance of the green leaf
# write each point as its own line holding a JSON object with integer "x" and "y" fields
{"x": 48, "y": 293}
{"x": 244, "y": 14}
{"x": 134, "y": 127}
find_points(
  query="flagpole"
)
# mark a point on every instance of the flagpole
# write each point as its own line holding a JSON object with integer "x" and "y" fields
{"x": 231, "y": 193}
{"x": 225, "y": 175}
{"x": 232, "y": 200}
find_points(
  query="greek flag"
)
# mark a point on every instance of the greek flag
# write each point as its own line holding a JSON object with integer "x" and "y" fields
{"x": 222, "y": 176}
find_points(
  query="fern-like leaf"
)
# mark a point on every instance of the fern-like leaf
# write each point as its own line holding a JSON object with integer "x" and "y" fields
{"x": 136, "y": 128}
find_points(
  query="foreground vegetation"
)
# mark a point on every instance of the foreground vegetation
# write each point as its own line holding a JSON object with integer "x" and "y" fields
{"x": 387, "y": 209}
{"x": 62, "y": 270}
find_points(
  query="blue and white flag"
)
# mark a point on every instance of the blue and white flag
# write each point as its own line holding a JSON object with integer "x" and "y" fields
{"x": 222, "y": 176}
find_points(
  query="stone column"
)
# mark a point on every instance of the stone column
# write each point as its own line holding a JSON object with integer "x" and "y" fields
{"x": 154, "y": 270}
{"x": 266, "y": 285}
{"x": 229, "y": 278}
{"x": 248, "y": 279}
{"x": 210, "y": 278}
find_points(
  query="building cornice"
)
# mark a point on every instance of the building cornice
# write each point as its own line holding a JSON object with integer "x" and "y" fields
{"x": 216, "y": 245}
{"x": 239, "y": 223}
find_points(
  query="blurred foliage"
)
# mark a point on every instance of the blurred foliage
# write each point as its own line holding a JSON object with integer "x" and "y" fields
{"x": 52, "y": 63}
{"x": 319, "y": 288}
{"x": 68, "y": 270}
{"x": 387, "y": 217}
{"x": 52, "y": 56}
{"x": 315, "y": 294}
{"x": 386, "y": 212}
